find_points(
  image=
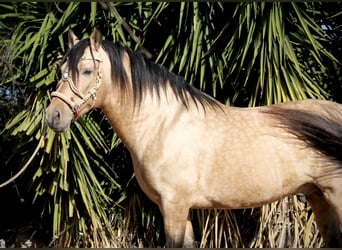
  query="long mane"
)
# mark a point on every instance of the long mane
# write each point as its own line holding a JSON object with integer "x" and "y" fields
{"x": 146, "y": 75}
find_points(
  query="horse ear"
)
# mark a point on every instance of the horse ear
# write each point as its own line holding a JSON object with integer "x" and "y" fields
{"x": 72, "y": 39}
{"x": 96, "y": 39}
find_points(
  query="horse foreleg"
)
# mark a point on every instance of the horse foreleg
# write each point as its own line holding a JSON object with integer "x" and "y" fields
{"x": 326, "y": 219}
{"x": 189, "y": 239}
{"x": 178, "y": 230}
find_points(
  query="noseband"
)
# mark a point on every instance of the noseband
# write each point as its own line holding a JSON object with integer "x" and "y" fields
{"x": 77, "y": 106}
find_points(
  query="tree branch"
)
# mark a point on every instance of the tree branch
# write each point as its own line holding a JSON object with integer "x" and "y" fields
{"x": 123, "y": 22}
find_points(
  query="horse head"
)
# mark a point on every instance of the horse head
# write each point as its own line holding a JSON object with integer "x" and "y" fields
{"x": 78, "y": 90}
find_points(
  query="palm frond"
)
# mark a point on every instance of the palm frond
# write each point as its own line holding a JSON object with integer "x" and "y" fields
{"x": 244, "y": 54}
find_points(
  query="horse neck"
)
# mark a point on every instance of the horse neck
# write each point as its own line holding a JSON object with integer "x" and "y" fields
{"x": 136, "y": 123}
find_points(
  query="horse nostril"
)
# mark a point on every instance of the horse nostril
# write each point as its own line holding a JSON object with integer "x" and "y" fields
{"x": 56, "y": 120}
{"x": 56, "y": 116}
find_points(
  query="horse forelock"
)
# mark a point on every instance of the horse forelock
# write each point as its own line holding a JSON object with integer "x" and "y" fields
{"x": 74, "y": 55}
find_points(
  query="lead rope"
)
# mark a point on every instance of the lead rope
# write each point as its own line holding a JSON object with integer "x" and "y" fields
{"x": 27, "y": 163}
{"x": 57, "y": 94}
{"x": 74, "y": 107}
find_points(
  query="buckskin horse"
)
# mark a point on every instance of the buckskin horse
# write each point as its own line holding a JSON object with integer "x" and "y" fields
{"x": 190, "y": 151}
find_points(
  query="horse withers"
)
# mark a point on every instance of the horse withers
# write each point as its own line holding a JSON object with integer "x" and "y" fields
{"x": 190, "y": 151}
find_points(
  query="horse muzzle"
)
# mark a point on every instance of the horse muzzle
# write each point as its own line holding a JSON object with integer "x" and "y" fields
{"x": 58, "y": 118}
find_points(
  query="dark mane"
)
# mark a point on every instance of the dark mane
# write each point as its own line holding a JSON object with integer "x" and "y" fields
{"x": 146, "y": 75}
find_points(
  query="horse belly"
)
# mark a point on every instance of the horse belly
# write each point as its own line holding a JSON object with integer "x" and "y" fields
{"x": 246, "y": 194}
{"x": 254, "y": 174}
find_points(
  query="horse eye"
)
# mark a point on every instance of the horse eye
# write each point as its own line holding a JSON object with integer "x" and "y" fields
{"x": 87, "y": 72}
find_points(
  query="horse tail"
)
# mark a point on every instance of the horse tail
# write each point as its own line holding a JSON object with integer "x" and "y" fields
{"x": 320, "y": 132}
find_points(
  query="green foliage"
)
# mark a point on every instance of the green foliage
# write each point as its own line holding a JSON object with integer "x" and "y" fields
{"x": 272, "y": 38}
{"x": 71, "y": 171}
{"x": 244, "y": 54}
